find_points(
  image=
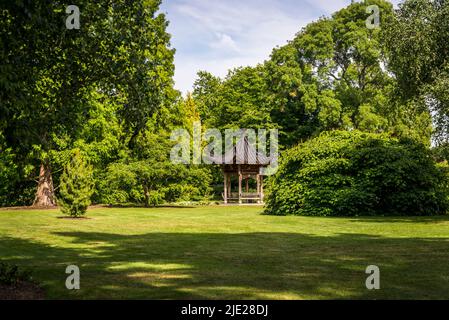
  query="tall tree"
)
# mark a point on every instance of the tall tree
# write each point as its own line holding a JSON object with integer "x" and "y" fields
{"x": 332, "y": 75}
{"x": 48, "y": 73}
{"x": 240, "y": 100}
{"x": 418, "y": 49}
{"x": 205, "y": 93}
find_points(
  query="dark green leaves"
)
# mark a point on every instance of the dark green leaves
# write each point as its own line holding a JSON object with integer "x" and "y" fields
{"x": 354, "y": 173}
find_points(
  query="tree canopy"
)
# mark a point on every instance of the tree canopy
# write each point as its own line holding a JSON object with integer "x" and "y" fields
{"x": 418, "y": 50}
{"x": 107, "y": 90}
{"x": 52, "y": 77}
{"x": 332, "y": 75}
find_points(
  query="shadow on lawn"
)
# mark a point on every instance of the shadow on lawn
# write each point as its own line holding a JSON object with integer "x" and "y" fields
{"x": 236, "y": 266}
{"x": 421, "y": 220}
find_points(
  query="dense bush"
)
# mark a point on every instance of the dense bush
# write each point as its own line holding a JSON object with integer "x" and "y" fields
{"x": 353, "y": 173}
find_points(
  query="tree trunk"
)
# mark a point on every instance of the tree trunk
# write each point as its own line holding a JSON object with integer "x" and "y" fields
{"x": 45, "y": 195}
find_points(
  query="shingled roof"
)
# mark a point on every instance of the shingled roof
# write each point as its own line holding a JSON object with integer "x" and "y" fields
{"x": 242, "y": 152}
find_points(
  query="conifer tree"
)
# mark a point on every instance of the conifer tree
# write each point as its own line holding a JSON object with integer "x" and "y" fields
{"x": 76, "y": 186}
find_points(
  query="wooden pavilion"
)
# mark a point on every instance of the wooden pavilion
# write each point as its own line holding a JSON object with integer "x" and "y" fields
{"x": 244, "y": 162}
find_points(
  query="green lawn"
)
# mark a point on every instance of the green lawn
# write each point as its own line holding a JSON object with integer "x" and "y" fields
{"x": 228, "y": 253}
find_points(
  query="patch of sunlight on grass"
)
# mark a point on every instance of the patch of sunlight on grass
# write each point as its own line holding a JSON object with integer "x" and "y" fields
{"x": 159, "y": 279}
{"x": 20, "y": 257}
{"x": 150, "y": 266}
{"x": 241, "y": 293}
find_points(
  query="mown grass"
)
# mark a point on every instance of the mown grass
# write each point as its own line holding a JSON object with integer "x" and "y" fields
{"x": 228, "y": 253}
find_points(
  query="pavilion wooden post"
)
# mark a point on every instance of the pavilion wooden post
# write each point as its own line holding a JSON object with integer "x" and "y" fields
{"x": 259, "y": 194}
{"x": 262, "y": 196}
{"x": 225, "y": 193}
{"x": 240, "y": 185}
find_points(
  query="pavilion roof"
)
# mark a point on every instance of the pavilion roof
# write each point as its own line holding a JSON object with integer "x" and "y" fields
{"x": 242, "y": 152}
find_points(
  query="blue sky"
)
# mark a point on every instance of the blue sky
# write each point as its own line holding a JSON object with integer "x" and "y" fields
{"x": 216, "y": 35}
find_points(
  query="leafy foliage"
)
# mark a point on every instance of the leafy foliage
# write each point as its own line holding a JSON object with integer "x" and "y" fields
{"x": 415, "y": 39}
{"x": 51, "y": 78}
{"x": 332, "y": 75}
{"x": 76, "y": 186}
{"x": 148, "y": 177}
{"x": 11, "y": 275}
{"x": 353, "y": 173}
{"x": 107, "y": 90}
{"x": 153, "y": 184}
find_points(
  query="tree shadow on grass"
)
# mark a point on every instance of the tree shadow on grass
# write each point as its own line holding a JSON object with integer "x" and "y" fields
{"x": 421, "y": 220}
{"x": 235, "y": 266}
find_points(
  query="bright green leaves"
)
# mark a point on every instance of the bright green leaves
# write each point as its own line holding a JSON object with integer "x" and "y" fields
{"x": 333, "y": 75}
{"x": 76, "y": 187}
{"x": 330, "y": 110}
{"x": 316, "y": 43}
{"x": 240, "y": 101}
{"x": 368, "y": 120}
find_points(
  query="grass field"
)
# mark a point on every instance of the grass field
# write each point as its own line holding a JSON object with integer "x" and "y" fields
{"x": 228, "y": 253}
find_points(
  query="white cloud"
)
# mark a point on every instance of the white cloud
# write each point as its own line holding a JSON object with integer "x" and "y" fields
{"x": 224, "y": 42}
{"x": 217, "y": 35}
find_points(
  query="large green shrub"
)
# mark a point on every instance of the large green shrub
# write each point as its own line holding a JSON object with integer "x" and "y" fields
{"x": 344, "y": 173}
{"x": 76, "y": 186}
